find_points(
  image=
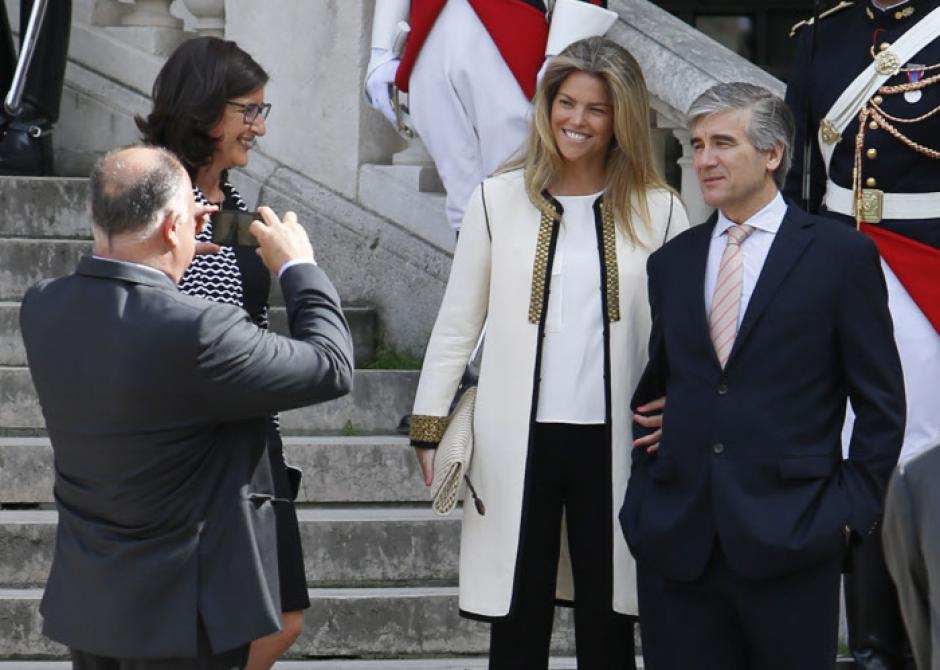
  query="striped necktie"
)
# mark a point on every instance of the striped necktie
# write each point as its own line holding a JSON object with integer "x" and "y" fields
{"x": 726, "y": 301}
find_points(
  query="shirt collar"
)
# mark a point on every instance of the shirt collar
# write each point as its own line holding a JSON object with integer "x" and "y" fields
{"x": 132, "y": 264}
{"x": 767, "y": 219}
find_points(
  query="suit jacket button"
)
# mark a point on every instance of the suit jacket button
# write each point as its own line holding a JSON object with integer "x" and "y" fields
{"x": 718, "y": 448}
{"x": 722, "y": 389}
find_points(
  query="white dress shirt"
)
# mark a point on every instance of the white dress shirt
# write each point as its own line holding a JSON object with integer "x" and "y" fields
{"x": 571, "y": 389}
{"x": 754, "y": 250}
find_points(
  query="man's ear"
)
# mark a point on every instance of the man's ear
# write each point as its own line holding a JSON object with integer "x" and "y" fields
{"x": 171, "y": 228}
{"x": 774, "y": 156}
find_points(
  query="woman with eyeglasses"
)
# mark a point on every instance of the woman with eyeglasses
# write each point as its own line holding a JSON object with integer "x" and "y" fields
{"x": 208, "y": 109}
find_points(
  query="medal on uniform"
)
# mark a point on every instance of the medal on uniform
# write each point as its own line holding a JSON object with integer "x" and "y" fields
{"x": 914, "y": 74}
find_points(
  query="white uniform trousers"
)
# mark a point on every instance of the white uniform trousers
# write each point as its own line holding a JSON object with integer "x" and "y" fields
{"x": 919, "y": 348}
{"x": 465, "y": 104}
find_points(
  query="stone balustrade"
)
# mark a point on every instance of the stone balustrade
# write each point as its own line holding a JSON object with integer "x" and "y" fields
{"x": 208, "y": 16}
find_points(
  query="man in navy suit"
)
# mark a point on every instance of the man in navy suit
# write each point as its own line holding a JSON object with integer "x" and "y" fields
{"x": 765, "y": 321}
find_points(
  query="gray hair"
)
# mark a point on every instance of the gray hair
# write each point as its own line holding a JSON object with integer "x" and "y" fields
{"x": 132, "y": 188}
{"x": 771, "y": 121}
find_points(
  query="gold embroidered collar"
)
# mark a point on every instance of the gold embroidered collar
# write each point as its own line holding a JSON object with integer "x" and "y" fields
{"x": 543, "y": 250}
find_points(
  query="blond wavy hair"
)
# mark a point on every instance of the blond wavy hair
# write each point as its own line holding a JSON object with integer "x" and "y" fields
{"x": 630, "y": 169}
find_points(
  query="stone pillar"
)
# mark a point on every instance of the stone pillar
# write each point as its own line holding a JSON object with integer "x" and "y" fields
{"x": 152, "y": 14}
{"x": 209, "y": 15}
{"x": 691, "y": 193}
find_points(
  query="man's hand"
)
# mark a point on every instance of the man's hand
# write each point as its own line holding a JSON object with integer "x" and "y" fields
{"x": 203, "y": 248}
{"x": 202, "y": 214}
{"x": 280, "y": 241}
{"x": 651, "y": 441}
{"x": 426, "y": 461}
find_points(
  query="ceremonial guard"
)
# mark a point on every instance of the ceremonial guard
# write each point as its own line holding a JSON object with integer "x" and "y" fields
{"x": 866, "y": 87}
{"x": 470, "y": 69}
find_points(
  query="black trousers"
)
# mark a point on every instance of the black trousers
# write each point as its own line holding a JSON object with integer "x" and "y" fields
{"x": 877, "y": 639}
{"x": 566, "y": 473}
{"x": 233, "y": 659}
{"x": 722, "y": 621}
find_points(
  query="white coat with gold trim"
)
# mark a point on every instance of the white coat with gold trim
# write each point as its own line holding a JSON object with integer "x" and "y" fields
{"x": 491, "y": 280}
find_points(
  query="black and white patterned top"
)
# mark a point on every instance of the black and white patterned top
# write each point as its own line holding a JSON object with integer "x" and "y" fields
{"x": 218, "y": 277}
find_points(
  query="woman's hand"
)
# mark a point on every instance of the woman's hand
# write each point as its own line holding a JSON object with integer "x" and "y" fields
{"x": 426, "y": 461}
{"x": 651, "y": 441}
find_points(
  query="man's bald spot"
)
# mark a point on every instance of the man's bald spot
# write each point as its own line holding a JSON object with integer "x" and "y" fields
{"x": 131, "y": 187}
{"x": 122, "y": 168}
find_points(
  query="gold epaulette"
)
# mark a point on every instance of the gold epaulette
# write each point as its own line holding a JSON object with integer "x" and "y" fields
{"x": 829, "y": 12}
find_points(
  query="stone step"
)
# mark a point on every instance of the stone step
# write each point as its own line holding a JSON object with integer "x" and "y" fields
{"x": 23, "y": 262}
{"x": 44, "y": 207}
{"x": 343, "y": 547}
{"x": 337, "y": 470}
{"x": 363, "y": 323}
{"x": 358, "y": 623}
{"x": 378, "y": 401}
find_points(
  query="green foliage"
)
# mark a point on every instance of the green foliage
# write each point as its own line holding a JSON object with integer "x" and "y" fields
{"x": 350, "y": 429}
{"x": 388, "y": 357}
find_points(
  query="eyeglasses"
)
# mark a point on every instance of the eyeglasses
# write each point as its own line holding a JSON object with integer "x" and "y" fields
{"x": 252, "y": 110}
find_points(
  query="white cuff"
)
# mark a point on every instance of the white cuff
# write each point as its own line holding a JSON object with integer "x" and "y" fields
{"x": 378, "y": 58}
{"x": 573, "y": 20}
{"x": 297, "y": 261}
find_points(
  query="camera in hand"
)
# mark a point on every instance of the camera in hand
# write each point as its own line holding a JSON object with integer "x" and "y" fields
{"x": 230, "y": 229}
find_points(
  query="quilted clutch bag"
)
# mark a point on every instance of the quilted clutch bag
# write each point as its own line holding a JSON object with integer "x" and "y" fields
{"x": 452, "y": 461}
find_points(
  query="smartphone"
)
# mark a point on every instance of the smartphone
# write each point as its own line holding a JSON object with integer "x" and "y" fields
{"x": 230, "y": 229}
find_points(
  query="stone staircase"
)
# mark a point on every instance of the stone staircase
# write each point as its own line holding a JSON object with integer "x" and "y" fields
{"x": 381, "y": 568}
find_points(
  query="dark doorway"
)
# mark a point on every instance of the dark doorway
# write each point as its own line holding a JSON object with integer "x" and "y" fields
{"x": 758, "y": 31}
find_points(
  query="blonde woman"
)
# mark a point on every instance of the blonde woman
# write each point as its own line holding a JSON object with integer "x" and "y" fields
{"x": 552, "y": 256}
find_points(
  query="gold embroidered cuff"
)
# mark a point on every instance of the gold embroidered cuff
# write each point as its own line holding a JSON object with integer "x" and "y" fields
{"x": 427, "y": 428}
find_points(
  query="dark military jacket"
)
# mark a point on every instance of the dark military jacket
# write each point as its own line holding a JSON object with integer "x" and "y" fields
{"x": 846, "y": 40}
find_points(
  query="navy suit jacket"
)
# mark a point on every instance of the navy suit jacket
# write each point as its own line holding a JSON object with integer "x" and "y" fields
{"x": 751, "y": 455}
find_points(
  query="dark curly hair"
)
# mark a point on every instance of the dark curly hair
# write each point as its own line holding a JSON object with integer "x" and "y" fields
{"x": 189, "y": 97}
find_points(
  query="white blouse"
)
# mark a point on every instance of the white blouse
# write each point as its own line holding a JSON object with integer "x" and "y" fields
{"x": 572, "y": 373}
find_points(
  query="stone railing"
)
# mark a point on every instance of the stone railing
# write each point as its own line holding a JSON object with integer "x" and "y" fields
{"x": 209, "y": 15}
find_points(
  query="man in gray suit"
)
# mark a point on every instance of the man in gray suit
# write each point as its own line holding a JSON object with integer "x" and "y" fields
{"x": 155, "y": 403}
{"x": 911, "y": 538}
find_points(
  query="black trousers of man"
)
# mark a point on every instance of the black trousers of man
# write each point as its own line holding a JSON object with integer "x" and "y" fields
{"x": 722, "y": 621}
{"x": 25, "y": 139}
{"x": 565, "y": 475}
{"x": 232, "y": 659}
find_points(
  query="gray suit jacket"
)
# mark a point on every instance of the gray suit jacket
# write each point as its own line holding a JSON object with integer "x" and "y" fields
{"x": 155, "y": 402}
{"x": 911, "y": 538}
